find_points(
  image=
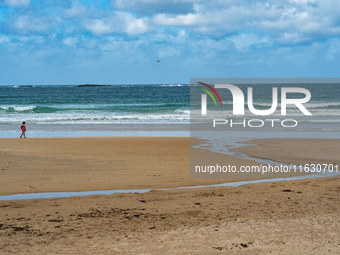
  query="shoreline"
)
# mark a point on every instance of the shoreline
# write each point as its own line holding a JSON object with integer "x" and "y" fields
{"x": 94, "y": 134}
{"x": 247, "y": 134}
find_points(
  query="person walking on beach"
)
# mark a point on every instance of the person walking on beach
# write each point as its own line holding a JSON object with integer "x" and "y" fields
{"x": 23, "y": 129}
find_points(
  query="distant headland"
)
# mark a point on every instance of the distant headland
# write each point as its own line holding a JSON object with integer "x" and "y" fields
{"x": 93, "y": 85}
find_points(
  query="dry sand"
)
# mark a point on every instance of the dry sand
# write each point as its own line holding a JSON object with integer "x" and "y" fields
{"x": 295, "y": 217}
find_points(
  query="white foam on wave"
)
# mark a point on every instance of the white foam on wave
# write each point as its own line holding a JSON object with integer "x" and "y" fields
{"x": 268, "y": 105}
{"x": 307, "y": 105}
{"x": 179, "y": 116}
{"x": 323, "y": 121}
{"x": 321, "y": 105}
{"x": 18, "y": 108}
{"x": 290, "y": 113}
{"x": 183, "y": 111}
{"x": 173, "y": 85}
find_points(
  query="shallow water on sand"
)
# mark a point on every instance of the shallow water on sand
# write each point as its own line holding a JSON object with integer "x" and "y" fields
{"x": 109, "y": 192}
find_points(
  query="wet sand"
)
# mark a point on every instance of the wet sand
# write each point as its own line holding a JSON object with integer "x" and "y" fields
{"x": 295, "y": 151}
{"x": 295, "y": 217}
{"x": 36, "y": 165}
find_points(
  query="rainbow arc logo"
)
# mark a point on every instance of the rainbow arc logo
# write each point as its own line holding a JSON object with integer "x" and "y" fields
{"x": 209, "y": 93}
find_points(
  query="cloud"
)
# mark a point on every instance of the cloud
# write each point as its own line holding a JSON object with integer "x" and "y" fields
{"x": 4, "y": 39}
{"x": 199, "y": 36}
{"x": 178, "y": 20}
{"x": 32, "y": 23}
{"x": 77, "y": 9}
{"x": 286, "y": 22}
{"x": 28, "y": 23}
{"x": 243, "y": 41}
{"x": 333, "y": 51}
{"x": 149, "y": 7}
{"x": 70, "y": 40}
{"x": 99, "y": 27}
{"x": 293, "y": 38}
{"x": 134, "y": 26}
{"x": 121, "y": 22}
{"x": 298, "y": 20}
{"x": 17, "y": 3}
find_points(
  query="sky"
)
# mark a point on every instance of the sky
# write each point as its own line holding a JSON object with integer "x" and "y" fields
{"x": 51, "y": 42}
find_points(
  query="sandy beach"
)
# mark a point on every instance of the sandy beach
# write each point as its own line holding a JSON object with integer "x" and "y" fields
{"x": 292, "y": 217}
{"x": 296, "y": 151}
{"x": 85, "y": 164}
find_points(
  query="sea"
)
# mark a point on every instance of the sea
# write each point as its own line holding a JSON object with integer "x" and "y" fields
{"x": 95, "y": 110}
{"x": 148, "y": 109}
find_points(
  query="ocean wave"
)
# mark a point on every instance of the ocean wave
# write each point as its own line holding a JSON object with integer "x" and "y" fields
{"x": 22, "y": 86}
{"x": 96, "y": 117}
{"x": 323, "y": 121}
{"x": 307, "y": 105}
{"x": 174, "y": 85}
{"x": 290, "y": 113}
{"x": 322, "y": 105}
{"x": 17, "y": 108}
{"x": 104, "y": 108}
{"x": 183, "y": 111}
